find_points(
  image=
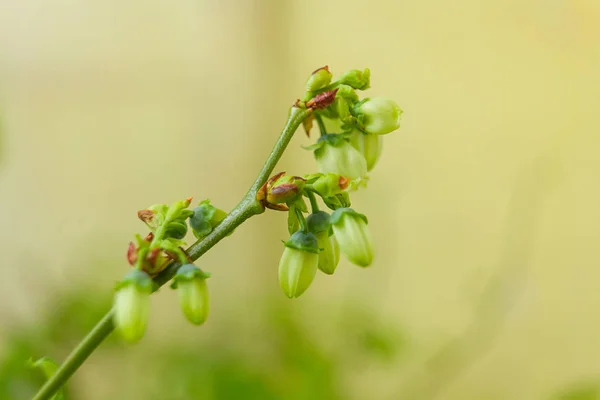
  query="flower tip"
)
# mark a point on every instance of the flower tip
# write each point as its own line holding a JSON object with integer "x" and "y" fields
{"x": 343, "y": 182}
{"x": 145, "y": 215}
{"x": 131, "y": 254}
{"x": 326, "y": 68}
{"x": 363, "y": 262}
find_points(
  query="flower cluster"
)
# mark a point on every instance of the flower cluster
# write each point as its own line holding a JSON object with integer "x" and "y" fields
{"x": 168, "y": 226}
{"x": 351, "y": 129}
{"x": 345, "y": 154}
{"x": 347, "y": 149}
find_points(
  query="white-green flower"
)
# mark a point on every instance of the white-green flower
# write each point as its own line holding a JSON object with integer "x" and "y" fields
{"x": 329, "y": 256}
{"x": 353, "y": 235}
{"x": 298, "y": 263}
{"x": 369, "y": 145}
{"x": 380, "y": 115}
{"x": 339, "y": 157}
{"x": 132, "y": 305}
{"x": 329, "y": 252}
{"x": 192, "y": 291}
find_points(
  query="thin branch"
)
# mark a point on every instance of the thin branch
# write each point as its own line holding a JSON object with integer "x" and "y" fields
{"x": 247, "y": 208}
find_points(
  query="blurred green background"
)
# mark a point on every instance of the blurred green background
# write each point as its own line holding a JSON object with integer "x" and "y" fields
{"x": 484, "y": 206}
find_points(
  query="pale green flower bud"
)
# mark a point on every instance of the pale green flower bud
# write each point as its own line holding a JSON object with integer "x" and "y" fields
{"x": 353, "y": 235}
{"x": 379, "y": 115}
{"x": 132, "y": 305}
{"x": 298, "y": 264}
{"x": 204, "y": 218}
{"x": 319, "y": 79}
{"x": 284, "y": 189}
{"x": 192, "y": 290}
{"x": 356, "y": 78}
{"x": 330, "y": 184}
{"x": 338, "y": 156}
{"x": 329, "y": 255}
{"x": 368, "y": 145}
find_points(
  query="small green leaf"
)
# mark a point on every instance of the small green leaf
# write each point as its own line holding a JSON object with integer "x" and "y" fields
{"x": 48, "y": 367}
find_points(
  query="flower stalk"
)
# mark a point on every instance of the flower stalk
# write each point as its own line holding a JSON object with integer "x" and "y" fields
{"x": 245, "y": 209}
{"x": 344, "y": 158}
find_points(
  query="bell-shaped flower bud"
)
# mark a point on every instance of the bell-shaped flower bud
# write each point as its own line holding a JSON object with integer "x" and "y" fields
{"x": 319, "y": 79}
{"x": 190, "y": 282}
{"x": 132, "y": 305}
{"x": 330, "y": 184}
{"x": 353, "y": 235}
{"x": 368, "y": 145}
{"x": 204, "y": 218}
{"x": 356, "y": 78}
{"x": 337, "y": 156}
{"x": 329, "y": 255}
{"x": 379, "y": 115}
{"x": 298, "y": 264}
{"x": 318, "y": 222}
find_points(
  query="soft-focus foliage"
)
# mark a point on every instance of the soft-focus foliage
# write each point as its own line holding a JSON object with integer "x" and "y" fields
{"x": 293, "y": 364}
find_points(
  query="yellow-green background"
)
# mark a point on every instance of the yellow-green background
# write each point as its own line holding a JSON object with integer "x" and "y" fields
{"x": 484, "y": 206}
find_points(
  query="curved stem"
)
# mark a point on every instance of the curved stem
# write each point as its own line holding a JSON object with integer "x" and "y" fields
{"x": 313, "y": 201}
{"x": 321, "y": 124}
{"x": 246, "y": 208}
{"x": 301, "y": 220}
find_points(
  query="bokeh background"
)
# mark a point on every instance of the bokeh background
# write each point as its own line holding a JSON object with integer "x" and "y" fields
{"x": 484, "y": 205}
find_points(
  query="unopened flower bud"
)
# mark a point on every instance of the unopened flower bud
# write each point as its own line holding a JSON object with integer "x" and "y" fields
{"x": 132, "y": 305}
{"x": 176, "y": 230}
{"x": 330, "y": 184}
{"x": 380, "y": 115}
{"x": 319, "y": 79}
{"x": 318, "y": 222}
{"x": 190, "y": 282}
{"x": 369, "y": 145}
{"x": 356, "y": 78}
{"x": 285, "y": 189}
{"x": 353, "y": 235}
{"x": 336, "y": 155}
{"x": 298, "y": 263}
{"x": 204, "y": 218}
{"x": 329, "y": 255}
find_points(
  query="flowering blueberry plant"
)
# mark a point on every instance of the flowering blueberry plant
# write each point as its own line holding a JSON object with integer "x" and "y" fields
{"x": 347, "y": 149}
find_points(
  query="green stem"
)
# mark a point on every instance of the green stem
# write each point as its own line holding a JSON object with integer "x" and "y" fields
{"x": 321, "y": 124}
{"x": 246, "y": 208}
{"x": 301, "y": 220}
{"x": 313, "y": 201}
